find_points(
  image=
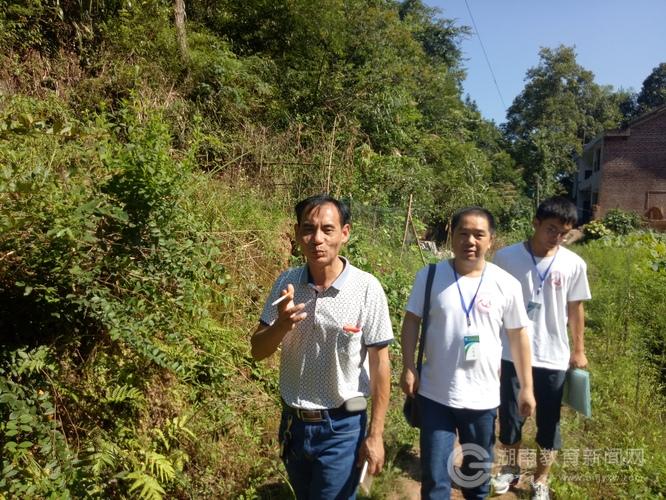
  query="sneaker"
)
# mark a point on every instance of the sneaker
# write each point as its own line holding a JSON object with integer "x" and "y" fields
{"x": 540, "y": 491}
{"x": 508, "y": 476}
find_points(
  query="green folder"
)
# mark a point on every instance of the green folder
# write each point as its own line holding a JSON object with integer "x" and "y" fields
{"x": 577, "y": 391}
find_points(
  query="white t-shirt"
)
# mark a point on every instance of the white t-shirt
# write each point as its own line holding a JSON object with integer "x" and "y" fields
{"x": 566, "y": 282}
{"x": 323, "y": 360}
{"x": 446, "y": 376}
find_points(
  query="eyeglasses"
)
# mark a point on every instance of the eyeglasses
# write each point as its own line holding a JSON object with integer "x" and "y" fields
{"x": 555, "y": 232}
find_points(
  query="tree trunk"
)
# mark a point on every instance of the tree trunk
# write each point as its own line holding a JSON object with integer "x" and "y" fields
{"x": 179, "y": 14}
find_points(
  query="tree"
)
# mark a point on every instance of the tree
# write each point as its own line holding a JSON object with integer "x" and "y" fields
{"x": 382, "y": 76}
{"x": 559, "y": 110}
{"x": 439, "y": 37}
{"x": 179, "y": 16}
{"x": 391, "y": 69}
{"x": 653, "y": 92}
{"x": 627, "y": 104}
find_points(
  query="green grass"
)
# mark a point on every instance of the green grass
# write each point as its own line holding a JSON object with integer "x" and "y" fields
{"x": 624, "y": 319}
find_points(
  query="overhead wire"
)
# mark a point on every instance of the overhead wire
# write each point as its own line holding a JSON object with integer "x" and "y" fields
{"x": 485, "y": 55}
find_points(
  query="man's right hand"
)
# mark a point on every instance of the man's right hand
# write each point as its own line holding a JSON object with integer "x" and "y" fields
{"x": 409, "y": 381}
{"x": 267, "y": 338}
{"x": 526, "y": 402}
{"x": 290, "y": 314}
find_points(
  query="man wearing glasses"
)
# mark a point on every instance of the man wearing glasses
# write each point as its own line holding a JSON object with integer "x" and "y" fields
{"x": 554, "y": 283}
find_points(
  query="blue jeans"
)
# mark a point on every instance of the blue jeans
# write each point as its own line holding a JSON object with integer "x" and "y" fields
{"x": 476, "y": 430}
{"x": 320, "y": 457}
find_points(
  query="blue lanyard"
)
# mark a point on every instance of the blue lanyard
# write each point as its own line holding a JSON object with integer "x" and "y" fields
{"x": 462, "y": 300}
{"x": 542, "y": 278}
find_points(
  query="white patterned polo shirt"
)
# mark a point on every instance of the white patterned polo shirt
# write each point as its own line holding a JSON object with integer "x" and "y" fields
{"x": 323, "y": 360}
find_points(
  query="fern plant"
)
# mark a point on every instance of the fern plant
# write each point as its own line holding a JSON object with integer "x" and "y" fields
{"x": 147, "y": 481}
{"x": 122, "y": 393}
{"x": 145, "y": 485}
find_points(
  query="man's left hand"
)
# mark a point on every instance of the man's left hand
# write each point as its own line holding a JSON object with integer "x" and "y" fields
{"x": 372, "y": 450}
{"x": 578, "y": 360}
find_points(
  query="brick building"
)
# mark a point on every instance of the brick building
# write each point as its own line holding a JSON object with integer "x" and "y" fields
{"x": 625, "y": 169}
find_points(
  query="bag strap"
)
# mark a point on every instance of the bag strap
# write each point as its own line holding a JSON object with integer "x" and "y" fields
{"x": 424, "y": 316}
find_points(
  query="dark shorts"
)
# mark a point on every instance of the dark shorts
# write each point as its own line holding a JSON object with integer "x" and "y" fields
{"x": 548, "y": 386}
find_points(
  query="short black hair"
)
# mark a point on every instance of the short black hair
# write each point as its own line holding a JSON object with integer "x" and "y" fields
{"x": 480, "y": 211}
{"x": 305, "y": 206}
{"x": 558, "y": 207}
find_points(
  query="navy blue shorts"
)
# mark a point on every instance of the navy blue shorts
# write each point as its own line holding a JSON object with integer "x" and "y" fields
{"x": 548, "y": 387}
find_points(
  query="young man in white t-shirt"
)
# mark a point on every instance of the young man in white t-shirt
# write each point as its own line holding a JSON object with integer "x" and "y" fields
{"x": 458, "y": 388}
{"x": 554, "y": 283}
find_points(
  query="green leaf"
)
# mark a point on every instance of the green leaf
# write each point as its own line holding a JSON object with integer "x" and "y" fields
{"x": 25, "y": 418}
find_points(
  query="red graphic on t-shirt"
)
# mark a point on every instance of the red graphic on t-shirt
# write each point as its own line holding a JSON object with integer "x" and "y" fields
{"x": 556, "y": 279}
{"x": 483, "y": 304}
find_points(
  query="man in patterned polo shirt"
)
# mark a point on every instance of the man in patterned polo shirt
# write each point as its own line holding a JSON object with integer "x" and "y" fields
{"x": 332, "y": 323}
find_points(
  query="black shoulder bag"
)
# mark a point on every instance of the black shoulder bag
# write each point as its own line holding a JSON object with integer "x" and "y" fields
{"x": 411, "y": 407}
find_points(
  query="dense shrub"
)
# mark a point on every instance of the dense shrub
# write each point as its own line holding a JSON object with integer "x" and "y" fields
{"x": 100, "y": 260}
{"x": 595, "y": 229}
{"x": 622, "y": 221}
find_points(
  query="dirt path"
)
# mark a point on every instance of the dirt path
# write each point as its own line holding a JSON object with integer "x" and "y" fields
{"x": 408, "y": 485}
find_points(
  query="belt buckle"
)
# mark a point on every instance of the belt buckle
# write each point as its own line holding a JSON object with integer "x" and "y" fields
{"x": 310, "y": 415}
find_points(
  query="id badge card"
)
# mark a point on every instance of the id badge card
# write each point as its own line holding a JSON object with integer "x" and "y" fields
{"x": 472, "y": 347}
{"x": 533, "y": 307}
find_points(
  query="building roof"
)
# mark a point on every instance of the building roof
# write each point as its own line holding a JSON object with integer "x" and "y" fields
{"x": 646, "y": 116}
{"x": 625, "y": 131}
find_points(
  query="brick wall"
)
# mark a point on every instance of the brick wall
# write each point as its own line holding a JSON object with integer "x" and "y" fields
{"x": 634, "y": 165}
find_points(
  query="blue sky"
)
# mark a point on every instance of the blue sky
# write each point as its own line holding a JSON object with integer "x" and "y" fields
{"x": 619, "y": 41}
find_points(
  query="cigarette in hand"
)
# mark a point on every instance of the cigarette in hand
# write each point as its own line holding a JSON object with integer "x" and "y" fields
{"x": 363, "y": 471}
{"x": 280, "y": 300}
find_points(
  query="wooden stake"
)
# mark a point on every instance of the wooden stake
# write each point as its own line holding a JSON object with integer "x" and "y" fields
{"x": 409, "y": 221}
{"x": 330, "y": 156}
{"x": 409, "y": 216}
